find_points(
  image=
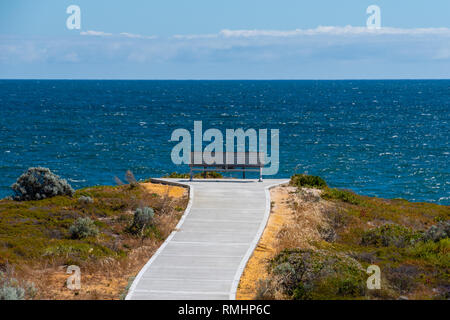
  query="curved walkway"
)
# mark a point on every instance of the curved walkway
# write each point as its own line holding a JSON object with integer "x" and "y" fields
{"x": 207, "y": 253}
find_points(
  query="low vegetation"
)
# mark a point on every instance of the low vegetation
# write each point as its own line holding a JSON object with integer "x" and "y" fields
{"x": 40, "y": 183}
{"x": 143, "y": 219}
{"x": 89, "y": 228}
{"x": 304, "y": 180}
{"x": 332, "y": 236}
{"x": 83, "y": 228}
{"x": 200, "y": 175}
{"x": 13, "y": 289}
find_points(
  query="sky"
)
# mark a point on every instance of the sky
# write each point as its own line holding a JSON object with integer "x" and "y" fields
{"x": 233, "y": 39}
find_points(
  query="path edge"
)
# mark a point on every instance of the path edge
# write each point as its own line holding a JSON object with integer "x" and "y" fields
{"x": 172, "y": 234}
{"x": 254, "y": 244}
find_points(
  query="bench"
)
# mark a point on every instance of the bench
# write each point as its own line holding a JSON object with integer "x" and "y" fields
{"x": 228, "y": 162}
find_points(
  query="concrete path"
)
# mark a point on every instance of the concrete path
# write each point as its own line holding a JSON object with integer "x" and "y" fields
{"x": 207, "y": 253}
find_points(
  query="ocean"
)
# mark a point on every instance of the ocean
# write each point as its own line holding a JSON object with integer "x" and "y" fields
{"x": 378, "y": 138}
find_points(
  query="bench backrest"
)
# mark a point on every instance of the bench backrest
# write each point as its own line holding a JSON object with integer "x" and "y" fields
{"x": 242, "y": 159}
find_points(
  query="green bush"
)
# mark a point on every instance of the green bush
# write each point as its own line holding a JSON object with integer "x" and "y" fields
{"x": 142, "y": 219}
{"x": 12, "y": 293}
{"x": 12, "y": 289}
{"x": 436, "y": 253}
{"x": 83, "y": 228}
{"x": 438, "y": 232}
{"x": 342, "y": 195}
{"x": 85, "y": 200}
{"x": 209, "y": 175}
{"x": 177, "y": 175}
{"x": 40, "y": 183}
{"x": 304, "y": 180}
{"x": 306, "y": 274}
{"x": 265, "y": 290}
{"x": 390, "y": 235}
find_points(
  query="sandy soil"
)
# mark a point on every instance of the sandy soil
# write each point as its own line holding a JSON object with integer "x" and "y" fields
{"x": 256, "y": 267}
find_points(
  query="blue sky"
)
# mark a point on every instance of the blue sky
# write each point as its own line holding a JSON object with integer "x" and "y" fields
{"x": 209, "y": 39}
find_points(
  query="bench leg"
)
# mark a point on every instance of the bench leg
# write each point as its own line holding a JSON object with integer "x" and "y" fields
{"x": 190, "y": 175}
{"x": 260, "y": 175}
{"x": 243, "y": 174}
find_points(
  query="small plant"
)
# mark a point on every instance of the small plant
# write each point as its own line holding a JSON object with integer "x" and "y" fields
{"x": 40, "y": 183}
{"x": 438, "y": 231}
{"x": 129, "y": 176}
{"x": 316, "y": 274}
{"x": 118, "y": 181}
{"x": 85, "y": 200}
{"x": 342, "y": 195}
{"x": 265, "y": 290}
{"x": 177, "y": 175}
{"x": 206, "y": 175}
{"x": 12, "y": 289}
{"x": 209, "y": 175}
{"x": 304, "y": 180}
{"x": 83, "y": 228}
{"x": 8, "y": 292}
{"x": 390, "y": 235}
{"x": 143, "y": 218}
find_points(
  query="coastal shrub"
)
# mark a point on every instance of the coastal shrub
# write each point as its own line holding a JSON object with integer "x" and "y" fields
{"x": 40, "y": 183}
{"x": 403, "y": 278}
{"x": 265, "y": 290}
{"x": 12, "y": 293}
{"x": 83, "y": 228}
{"x": 143, "y": 218}
{"x": 177, "y": 175}
{"x": 342, "y": 195}
{"x": 85, "y": 200}
{"x": 12, "y": 289}
{"x": 304, "y": 274}
{"x": 436, "y": 253}
{"x": 304, "y": 180}
{"x": 438, "y": 231}
{"x": 209, "y": 175}
{"x": 327, "y": 233}
{"x": 390, "y": 235}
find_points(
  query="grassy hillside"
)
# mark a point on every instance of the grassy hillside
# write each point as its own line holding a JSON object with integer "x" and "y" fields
{"x": 331, "y": 236}
{"x": 36, "y": 244}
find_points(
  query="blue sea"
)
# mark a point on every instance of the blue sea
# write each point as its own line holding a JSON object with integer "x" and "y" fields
{"x": 378, "y": 138}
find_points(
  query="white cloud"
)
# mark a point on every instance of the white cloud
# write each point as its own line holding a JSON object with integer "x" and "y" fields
{"x": 320, "y": 30}
{"x": 322, "y": 51}
{"x": 136, "y": 36}
{"x": 195, "y": 36}
{"x": 95, "y": 33}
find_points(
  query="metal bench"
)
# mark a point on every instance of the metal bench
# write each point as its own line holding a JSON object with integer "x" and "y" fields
{"x": 228, "y": 162}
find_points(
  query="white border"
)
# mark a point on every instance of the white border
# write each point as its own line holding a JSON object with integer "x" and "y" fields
{"x": 161, "y": 248}
{"x": 254, "y": 244}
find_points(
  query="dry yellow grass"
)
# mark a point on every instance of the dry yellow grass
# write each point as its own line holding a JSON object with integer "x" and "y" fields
{"x": 293, "y": 222}
{"x": 161, "y": 189}
{"x": 256, "y": 266}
